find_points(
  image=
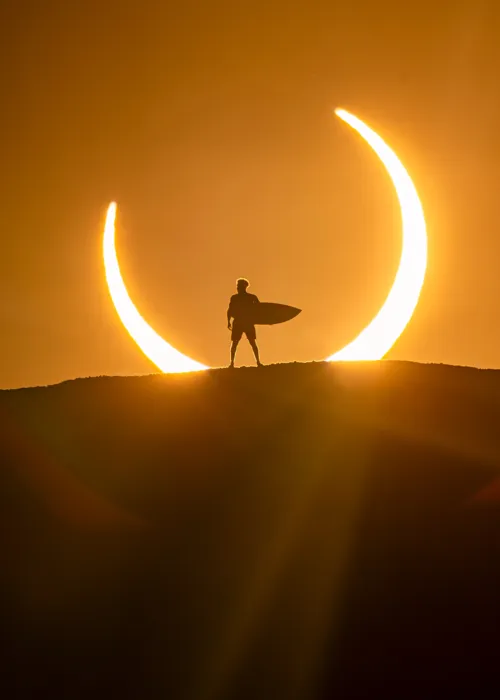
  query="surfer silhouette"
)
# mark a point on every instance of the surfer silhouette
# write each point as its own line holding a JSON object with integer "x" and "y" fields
{"x": 240, "y": 310}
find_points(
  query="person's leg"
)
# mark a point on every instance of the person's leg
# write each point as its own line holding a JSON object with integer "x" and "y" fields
{"x": 236, "y": 334}
{"x": 234, "y": 345}
{"x": 253, "y": 345}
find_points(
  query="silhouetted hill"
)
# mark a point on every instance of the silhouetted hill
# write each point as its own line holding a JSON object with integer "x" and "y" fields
{"x": 296, "y": 531}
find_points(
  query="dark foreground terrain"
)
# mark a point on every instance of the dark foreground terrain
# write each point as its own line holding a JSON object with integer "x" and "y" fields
{"x": 298, "y": 531}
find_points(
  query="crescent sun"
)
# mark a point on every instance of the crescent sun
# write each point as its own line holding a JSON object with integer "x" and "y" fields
{"x": 379, "y": 335}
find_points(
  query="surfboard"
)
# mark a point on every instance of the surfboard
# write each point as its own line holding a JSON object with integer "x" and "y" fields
{"x": 267, "y": 313}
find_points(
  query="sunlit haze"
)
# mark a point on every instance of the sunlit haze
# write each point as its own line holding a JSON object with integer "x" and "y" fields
{"x": 213, "y": 129}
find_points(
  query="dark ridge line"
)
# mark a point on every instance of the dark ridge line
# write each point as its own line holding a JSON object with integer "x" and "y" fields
{"x": 278, "y": 366}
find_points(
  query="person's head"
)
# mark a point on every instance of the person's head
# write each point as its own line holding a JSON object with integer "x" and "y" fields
{"x": 242, "y": 284}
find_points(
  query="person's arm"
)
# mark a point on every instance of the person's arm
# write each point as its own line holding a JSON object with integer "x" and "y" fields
{"x": 229, "y": 316}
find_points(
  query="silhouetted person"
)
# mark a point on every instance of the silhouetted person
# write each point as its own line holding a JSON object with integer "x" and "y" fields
{"x": 240, "y": 310}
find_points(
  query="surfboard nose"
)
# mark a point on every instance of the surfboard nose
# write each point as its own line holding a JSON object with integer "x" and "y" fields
{"x": 269, "y": 313}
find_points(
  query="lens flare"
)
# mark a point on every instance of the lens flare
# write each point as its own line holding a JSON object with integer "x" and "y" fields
{"x": 163, "y": 355}
{"x": 372, "y": 343}
{"x": 382, "y": 332}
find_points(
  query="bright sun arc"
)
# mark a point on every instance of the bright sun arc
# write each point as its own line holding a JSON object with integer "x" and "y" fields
{"x": 372, "y": 343}
{"x": 379, "y": 336}
{"x": 163, "y": 355}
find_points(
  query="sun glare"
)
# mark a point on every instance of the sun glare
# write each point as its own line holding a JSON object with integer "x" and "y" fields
{"x": 163, "y": 355}
{"x": 382, "y": 332}
{"x": 372, "y": 343}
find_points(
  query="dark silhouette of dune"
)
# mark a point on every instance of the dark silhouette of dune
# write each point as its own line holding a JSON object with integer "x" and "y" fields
{"x": 294, "y": 531}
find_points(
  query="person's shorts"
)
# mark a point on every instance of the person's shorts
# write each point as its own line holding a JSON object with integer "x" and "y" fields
{"x": 247, "y": 329}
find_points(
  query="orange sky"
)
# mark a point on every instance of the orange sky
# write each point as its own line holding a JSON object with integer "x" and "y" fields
{"x": 211, "y": 125}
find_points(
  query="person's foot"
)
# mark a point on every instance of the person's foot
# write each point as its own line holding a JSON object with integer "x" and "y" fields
{"x": 231, "y": 365}
{"x": 259, "y": 364}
